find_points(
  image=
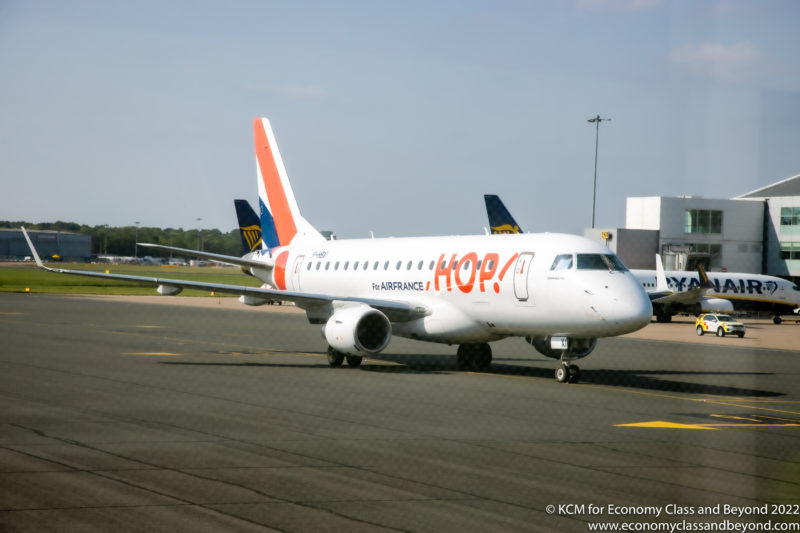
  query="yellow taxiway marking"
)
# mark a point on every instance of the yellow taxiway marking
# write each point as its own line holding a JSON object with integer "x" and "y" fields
{"x": 150, "y": 327}
{"x": 676, "y": 425}
{"x": 756, "y": 420}
{"x": 664, "y": 424}
{"x": 150, "y": 353}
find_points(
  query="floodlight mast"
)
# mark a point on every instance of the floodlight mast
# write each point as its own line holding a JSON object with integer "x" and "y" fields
{"x": 597, "y": 120}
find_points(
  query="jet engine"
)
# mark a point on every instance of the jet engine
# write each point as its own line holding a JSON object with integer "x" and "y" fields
{"x": 715, "y": 305}
{"x": 358, "y": 330}
{"x": 578, "y": 348}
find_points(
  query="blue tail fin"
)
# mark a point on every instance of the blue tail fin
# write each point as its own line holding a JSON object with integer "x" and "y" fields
{"x": 249, "y": 226}
{"x": 500, "y": 220}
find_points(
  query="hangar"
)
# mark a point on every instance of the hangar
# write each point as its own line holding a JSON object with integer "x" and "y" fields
{"x": 756, "y": 232}
{"x": 66, "y": 245}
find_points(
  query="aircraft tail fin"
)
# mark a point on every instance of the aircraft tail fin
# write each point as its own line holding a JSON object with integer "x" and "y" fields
{"x": 661, "y": 277}
{"x": 500, "y": 220}
{"x": 275, "y": 195}
{"x": 704, "y": 281}
{"x": 250, "y": 228}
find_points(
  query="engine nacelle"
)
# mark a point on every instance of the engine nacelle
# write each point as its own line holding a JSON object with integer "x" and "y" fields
{"x": 578, "y": 348}
{"x": 716, "y": 305}
{"x": 358, "y": 330}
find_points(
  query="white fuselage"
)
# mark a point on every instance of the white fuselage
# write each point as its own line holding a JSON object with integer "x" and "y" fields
{"x": 476, "y": 288}
{"x": 744, "y": 291}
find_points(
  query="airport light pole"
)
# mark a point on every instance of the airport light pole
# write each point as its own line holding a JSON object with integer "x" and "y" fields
{"x": 199, "y": 220}
{"x": 136, "y": 243}
{"x": 105, "y": 240}
{"x": 597, "y": 120}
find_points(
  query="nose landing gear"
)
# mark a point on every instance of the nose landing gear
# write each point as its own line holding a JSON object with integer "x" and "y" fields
{"x": 567, "y": 373}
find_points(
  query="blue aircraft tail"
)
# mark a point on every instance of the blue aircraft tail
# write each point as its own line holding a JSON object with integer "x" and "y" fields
{"x": 500, "y": 220}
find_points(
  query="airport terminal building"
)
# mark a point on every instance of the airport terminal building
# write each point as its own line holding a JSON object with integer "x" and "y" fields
{"x": 757, "y": 232}
{"x": 66, "y": 245}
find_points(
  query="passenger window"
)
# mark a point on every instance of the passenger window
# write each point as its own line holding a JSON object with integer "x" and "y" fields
{"x": 336, "y": 266}
{"x": 490, "y": 265}
{"x": 408, "y": 266}
{"x": 478, "y": 266}
{"x": 419, "y": 266}
{"x": 375, "y": 266}
{"x": 562, "y": 262}
{"x": 430, "y": 267}
{"x": 386, "y": 265}
{"x": 318, "y": 265}
{"x": 399, "y": 263}
{"x": 309, "y": 266}
{"x": 327, "y": 265}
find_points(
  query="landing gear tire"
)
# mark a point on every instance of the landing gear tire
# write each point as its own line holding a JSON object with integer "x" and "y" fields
{"x": 700, "y": 331}
{"x": 663, "y": 318}
{"x": 720, "y": 332}
{"x": 335, "y": 359}
{"x": 562, "y": 374}
{"x": 574, "y": 373}
{"x": 777, "y": 320}
{"x": 474, "y": 357}
{"x": 354, "y": 361}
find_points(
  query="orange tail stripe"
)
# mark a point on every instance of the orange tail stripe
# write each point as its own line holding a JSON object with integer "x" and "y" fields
{"x": 279, "y": 205}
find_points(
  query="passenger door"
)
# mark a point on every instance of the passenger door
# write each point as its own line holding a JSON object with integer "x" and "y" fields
{"x": 521, "y": 271}
{"x": 298, "y": 263}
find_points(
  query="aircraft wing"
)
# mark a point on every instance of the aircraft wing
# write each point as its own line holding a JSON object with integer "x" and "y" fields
{"x": 686, "y": 297}
{"x": 239, "y": 261}
{"x": 395, "y": 311}
{"x": 663, "y": 295}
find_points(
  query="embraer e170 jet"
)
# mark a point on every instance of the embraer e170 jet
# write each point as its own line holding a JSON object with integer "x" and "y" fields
{"x": 465, "y": 290}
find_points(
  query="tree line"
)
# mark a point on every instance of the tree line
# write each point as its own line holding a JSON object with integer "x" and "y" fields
{"x": 107, "y": 240}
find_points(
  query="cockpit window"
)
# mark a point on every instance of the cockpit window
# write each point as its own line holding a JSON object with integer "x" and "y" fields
{"x": 796, "y": 287}
{"x": 562, "y": 262}
{"x": 600, "y": 262}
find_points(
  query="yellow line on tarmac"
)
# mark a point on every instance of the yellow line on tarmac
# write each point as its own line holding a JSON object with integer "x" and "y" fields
{"x": 150, "y": 353}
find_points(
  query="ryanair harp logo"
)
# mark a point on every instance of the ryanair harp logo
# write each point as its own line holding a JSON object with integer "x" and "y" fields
{"x": 252, "y": 234}
{"x": 505, "y": 228}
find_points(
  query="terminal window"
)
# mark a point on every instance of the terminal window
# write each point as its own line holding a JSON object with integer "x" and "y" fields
{"x": 790, "y": 251}
{"x": 790, "y": 220}
{"x": 703, "y": 221}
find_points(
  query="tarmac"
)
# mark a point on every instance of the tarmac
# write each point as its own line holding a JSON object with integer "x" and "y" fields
{"x": 127, "y": 414}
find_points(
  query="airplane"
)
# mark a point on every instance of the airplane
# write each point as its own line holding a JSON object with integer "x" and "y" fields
{"x": 673, "y": 292}
{"x": 465, "y": 290}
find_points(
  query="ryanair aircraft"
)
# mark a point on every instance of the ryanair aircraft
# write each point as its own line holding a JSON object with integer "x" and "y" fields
{"x": 465, "y": 290}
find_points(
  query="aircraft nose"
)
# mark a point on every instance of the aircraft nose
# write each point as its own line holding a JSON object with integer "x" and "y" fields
{"x": 632, "y": 308}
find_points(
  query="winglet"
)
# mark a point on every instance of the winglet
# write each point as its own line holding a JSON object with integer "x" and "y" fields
{"x": 33, "y": 250}
{"x": 661, "y": 277}
{"x": 704, "y": 281}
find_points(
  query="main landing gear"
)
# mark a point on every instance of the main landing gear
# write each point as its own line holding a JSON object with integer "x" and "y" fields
{"x": 474, "y": 357}
{"x": 567, "y": 373}
{"x": 336, "y": 358}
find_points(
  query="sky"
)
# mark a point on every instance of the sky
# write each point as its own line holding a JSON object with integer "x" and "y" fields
{"x": 392, "y": 117}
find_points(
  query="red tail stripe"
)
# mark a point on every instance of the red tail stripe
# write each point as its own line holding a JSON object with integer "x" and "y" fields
{"x": 279, "y": 205}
